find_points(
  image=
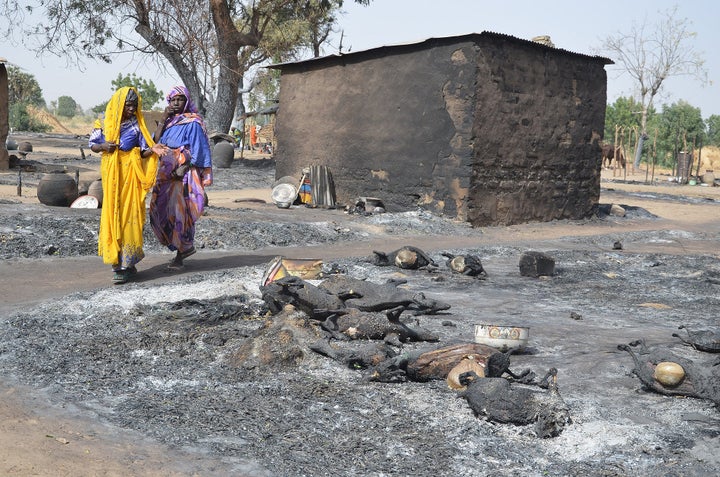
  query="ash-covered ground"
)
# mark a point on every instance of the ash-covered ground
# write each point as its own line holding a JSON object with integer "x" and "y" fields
{"x": 158, "y": 358}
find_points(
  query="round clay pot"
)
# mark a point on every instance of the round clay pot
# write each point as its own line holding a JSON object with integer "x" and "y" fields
{"x": 223, "y": 154}
{"x": 25, "y": 147}
{"x": 96, "y": 191}
{"x": 57, "y": 189}
{"x": 708, "y": 177}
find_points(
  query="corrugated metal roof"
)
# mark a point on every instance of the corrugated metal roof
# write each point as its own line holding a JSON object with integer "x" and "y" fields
{"x": 503, "y": 36}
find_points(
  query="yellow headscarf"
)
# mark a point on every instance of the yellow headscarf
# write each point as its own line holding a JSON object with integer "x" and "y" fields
{"x": 113, "y": 116}
{"x": 111, "y": 130}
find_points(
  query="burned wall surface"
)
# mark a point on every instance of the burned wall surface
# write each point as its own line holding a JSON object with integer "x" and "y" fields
{"x": 539, "y": 118}
{"x": 435, "y": 125}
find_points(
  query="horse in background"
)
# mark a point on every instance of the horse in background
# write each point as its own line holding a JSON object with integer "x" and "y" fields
{"x": 610, "y": 152}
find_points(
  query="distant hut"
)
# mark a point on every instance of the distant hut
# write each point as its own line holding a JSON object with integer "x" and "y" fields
{"x": 484, "y": 127}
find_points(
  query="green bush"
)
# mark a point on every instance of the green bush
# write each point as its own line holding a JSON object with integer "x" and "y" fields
{"x": 21, "y": 120}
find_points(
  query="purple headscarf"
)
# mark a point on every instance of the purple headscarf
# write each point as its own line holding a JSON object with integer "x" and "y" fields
{"x": 189, "y": 114}
{"x": 189, "y": 105}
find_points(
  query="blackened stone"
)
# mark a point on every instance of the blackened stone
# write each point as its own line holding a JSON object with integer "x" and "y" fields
{"x": 536, "y": 264}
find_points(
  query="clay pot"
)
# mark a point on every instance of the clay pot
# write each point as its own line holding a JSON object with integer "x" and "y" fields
{"x": 25, "y": 147}
{"x": 57, "y": 189}
{"x": 96, "y": 191}
{"x": 223, "y": 154}
{"x": 708, "y": 177}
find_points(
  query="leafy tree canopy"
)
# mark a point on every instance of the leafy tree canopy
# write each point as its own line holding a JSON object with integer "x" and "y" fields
{"x": 211, "y": 44}
{"x": 713, "y": 130}
{"x": 148, "y": 91}
{"x": 66, "y": 106}
{"x": 24, "y": 88}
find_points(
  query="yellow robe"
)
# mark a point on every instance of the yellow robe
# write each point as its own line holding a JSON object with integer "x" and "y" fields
{"x": 126, "y": 179}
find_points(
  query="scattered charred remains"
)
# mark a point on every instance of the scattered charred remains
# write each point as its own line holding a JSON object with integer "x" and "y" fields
{"x": 702, "y": 340}
{"x": 355, "y": 324}
{"x": 499, "y": 401}
{"x": 316, "y": 302}
{"x": 339, "y": 292}
{"x": 369, "y": 296}
{"x": 282, "y": 341}
{"x": 469, "y": 265}
{"x": 407, "y": 257}
{"x": 693, "y": 379}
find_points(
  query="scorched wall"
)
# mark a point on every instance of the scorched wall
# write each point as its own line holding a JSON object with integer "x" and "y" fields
{"x": 484, "y": 127}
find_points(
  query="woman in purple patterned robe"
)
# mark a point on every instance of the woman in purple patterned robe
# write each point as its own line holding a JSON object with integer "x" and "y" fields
{"x": 178, "y": 197}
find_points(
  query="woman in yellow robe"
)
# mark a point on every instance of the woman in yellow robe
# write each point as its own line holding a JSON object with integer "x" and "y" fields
{"x": 127, "y": 170}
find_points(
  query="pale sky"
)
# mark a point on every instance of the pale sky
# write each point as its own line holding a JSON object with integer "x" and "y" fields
{"x": 571, "y": 24}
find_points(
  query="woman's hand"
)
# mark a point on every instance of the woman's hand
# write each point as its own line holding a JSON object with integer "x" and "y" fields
{"x": 207, "y": 178}
{"x": 109, "y": 147}
{"x": 160, "y": 149}
{"x": 168, "y": 112}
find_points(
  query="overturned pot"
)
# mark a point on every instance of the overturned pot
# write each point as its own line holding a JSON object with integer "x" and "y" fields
{"x": 57, "y": 189}
{"x": 96, "y": 191}
{"x": 223, "y": 154}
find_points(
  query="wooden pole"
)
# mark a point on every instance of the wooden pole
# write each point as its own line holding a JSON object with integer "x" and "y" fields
{"x": 615, "y": 142}
{"x": 654, "y": 156}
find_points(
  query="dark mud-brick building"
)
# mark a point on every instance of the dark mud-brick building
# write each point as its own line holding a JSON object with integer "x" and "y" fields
{"x": 484, "y": 127}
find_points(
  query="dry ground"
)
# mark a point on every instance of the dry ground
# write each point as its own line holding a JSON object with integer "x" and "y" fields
{"x": 41, "y": 437}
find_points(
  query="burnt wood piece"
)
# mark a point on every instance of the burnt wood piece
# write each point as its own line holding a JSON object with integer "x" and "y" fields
{"x": 701, "y": 340}
{"x": 536, "y": 264}
{"x": 700, "y": 381}
{"x": 316, "y": 302}
{"x": 499, "y": 401}
{"x": 369, "y": 296}
{"x": 469, "y": 265}
{"x": 407, "y": 257}
{"x": 355, "y": 324}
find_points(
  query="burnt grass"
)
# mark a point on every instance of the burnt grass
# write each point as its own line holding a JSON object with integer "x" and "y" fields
{"x": 158, "y": 358}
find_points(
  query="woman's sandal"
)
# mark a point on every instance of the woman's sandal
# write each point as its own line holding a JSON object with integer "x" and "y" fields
{"x": 120, "y": 276}
{"x": 175, "y": 264}
{"x": 186, "y": 253}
